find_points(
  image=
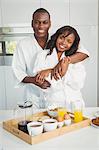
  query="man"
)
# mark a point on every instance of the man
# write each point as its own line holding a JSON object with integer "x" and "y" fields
{"x": 27, "y": 50}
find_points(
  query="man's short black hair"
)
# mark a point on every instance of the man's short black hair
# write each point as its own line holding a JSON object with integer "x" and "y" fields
{"x": 41, "y": 10}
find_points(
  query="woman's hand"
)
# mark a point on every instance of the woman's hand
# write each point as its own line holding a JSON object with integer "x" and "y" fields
{"x": 60, "y": 69}
{"x": 40, "y": 77}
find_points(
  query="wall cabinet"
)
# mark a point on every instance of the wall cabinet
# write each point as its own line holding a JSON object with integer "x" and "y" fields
{"x": 0, "y": 15}
{"x": 18, "y": 13}
{"x": 59, "y": 11}
{"x": 84, "y": 12}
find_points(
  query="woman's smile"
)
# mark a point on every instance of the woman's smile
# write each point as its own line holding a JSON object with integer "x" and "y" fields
{"x": 62, "y": 47}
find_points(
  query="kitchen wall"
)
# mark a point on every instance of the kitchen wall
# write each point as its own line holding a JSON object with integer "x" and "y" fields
{"x": 81, "y": 14}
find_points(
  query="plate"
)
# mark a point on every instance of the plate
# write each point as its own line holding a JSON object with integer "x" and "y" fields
{"x": 94, "y": 125}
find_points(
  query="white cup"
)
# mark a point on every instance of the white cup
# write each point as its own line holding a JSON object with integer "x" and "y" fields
{"x": 35, "y": 128}
{"x": 49, "y": 124}
{"x": 67, "y": 122}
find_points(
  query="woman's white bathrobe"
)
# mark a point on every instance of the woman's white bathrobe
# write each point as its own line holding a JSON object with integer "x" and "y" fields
{"x": 64, "y": 91}
{"x": 22, "y": 66}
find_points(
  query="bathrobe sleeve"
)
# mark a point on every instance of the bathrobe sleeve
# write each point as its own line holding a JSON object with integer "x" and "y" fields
{"x": 19, "y": 65}
{"x": 75, "y": 76}
{"x": 82, "y": 49}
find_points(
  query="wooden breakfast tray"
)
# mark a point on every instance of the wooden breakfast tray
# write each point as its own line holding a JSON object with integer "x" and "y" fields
{"x": 12, "y": 127}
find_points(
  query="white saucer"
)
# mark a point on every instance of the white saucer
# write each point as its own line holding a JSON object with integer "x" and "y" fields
{"x": 94, "y": 125}
{"x": 96, "y": 114}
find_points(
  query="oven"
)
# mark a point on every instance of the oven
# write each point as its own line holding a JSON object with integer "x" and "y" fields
{"x": 9, "y": 38}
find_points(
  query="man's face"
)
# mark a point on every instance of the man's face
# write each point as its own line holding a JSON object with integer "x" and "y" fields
{"x": 41, "y": 24}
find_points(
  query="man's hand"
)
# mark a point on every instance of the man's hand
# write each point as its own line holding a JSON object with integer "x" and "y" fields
{"x": 60, "y": 69}
{"x": 44, "y": 85}
{"x": 32, "y": 80}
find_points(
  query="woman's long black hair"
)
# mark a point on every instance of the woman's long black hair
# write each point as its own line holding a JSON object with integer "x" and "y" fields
{"x": 52, "y": 42}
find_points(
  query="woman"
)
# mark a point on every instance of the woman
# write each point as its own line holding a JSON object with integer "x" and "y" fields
{"x": 64, "y": 42}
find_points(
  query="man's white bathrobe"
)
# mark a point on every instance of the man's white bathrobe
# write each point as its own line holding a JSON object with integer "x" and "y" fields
{"x": 64, "y": 91}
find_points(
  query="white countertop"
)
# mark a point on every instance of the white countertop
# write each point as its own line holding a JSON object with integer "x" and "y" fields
{"x": 83, "y": 139}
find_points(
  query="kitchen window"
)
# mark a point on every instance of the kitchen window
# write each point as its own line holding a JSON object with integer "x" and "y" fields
{"x": 10, "y": 47}
{"x": 7, "y": 47}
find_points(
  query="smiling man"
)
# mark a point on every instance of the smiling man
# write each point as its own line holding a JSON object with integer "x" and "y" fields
{"x": 27, "y": 49}
{"x": 41, "y": 24}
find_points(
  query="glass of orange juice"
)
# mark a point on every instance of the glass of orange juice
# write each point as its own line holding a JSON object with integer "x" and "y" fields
{"x": 78, "y": 111}
{"x": 61, "y": 112}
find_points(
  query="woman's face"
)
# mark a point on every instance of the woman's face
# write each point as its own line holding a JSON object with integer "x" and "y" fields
{"x": 65, "y": 42}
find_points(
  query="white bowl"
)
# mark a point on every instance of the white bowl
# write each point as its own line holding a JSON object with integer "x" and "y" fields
{"x": 49, "y": 124}
{"x": 52, "y": 113}
{"x": 67, "y": 122}
{"x": 35, "y": 128}
{"x": 60, "y": 124}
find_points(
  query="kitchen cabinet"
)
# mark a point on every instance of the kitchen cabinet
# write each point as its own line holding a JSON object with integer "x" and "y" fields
{"x": 0, "y": 15}
{"x": 59, "y": 11}
{"x": 18, "y": 13}
{"x": 13, "y": 95}
{"x": 9, "y": 95}
{"x": 2, "y": 88}
{"x": 84, "y": 12}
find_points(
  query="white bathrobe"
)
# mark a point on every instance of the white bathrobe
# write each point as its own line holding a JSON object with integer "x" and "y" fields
{"x": 23, "y": 63}
{"x": 66, "y": 90}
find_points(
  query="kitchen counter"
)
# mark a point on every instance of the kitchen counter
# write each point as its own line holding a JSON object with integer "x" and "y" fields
{"x": 83, "y": 139}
